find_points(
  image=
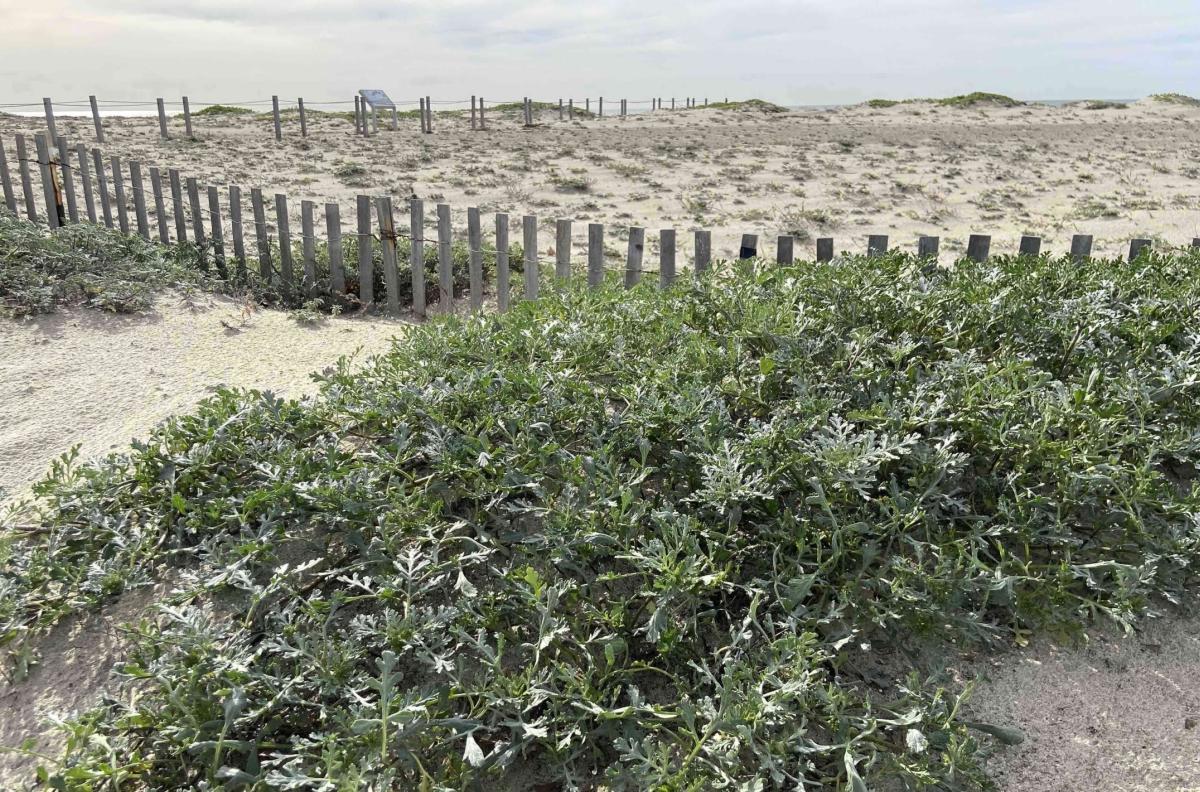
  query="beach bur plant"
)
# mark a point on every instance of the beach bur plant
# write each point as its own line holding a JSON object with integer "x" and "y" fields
{"x": 701, "y": 538}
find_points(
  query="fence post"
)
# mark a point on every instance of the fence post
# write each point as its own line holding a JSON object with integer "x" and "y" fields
{"x": 560, "y": 108}
{"x": 666, "y": 257}
{"x": 303, "y": 118}
{"x": 978, "y": 247}
{"x": 749, "y": 248}
{"x": 785, "y": 250}
{"x": 235, "y": 224}
{"x": 825, "y": 249}
{"x": 259, "y": 210}
{"x": 877, "y": 244}
{"x": 570, "y": 109}
{"x": 46, "y": 103}
{"x": 102, "y": 187}
{"x": 532, "y": 275}
{"x": 601, "y": 108}
{"x": 49, "y": 187}
{"x": 160, "y": 212}
{"x": 308, "y": 242}
{"x": 562, "y": 249}
{"x": 187, "y": 119}
{"x": 387, "y": 244}
{"x": 333, "y": 233}
{"x": 64, "y": 163}
{"x": 1030, "y": 246}
{"x": 217, "y": 232}
{"x": 472, "y": 113}
{"x": 177, "y": 206}
{"x": 927, "y": 247}
{"x": 85, "y": 182}
{"x": 633, "y": 259}
{"x": 1196, "y": 242}
{"x": 366, "y": 261}
{"x": 475, "y": 251}
{"x": 445, "y": 261}
{"x": 1081, "y": 246}
{"x": 482, "y": 124}
{"x": 595, "y": 254}
{"x": 1136, "y": 246}
{"x": 286, "y": 269}
{"x": 395, "y": 119}
{"x": 26, "y": 182}
{"x": 275, "y": 115}
{"x": 416, "y": 224}
{"x": 162, "y": 120}
{"x": 198, "y": 236}
{"x": 503, "y": 288}
{"x": 587, "y": 104}
{"x": 357, "y": 116}
{"x": 10, "y": 197}
{"x": 138, "y": 185}
{"x": 96, "y": 119}
{"x": 703, "y": 251}
{"x": 118, "y": 179}
{"x": 429, "y": 114}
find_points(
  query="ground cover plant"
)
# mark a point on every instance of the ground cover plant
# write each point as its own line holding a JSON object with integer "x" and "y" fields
{"x": 681, "y": 540}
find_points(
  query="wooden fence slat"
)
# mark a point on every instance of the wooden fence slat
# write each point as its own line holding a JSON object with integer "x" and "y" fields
{"x": 26, "y": 181}
{"x": 366, "y": 263}
{"x": 303, "y": 118}
{"x": 928, "y": 246}
{"x": 825, "y": 249}
{"x": 308, "y": 241}
{"x": 235, "y": 225}
{"x": 703, "y": 251}
{"x": 416, "y": 227}
{"x": 562, "y": 249}
{"x": 978, "y": 247}
{"x": 187, "y": 119}
{"x": 877, "y": 244}
{"x": 287, "y": 271}
{"x": 102, "y": 187}
{"x": 1081, "y": 246}
{"x": 162, "y": 120}
{"x": 217, "y": 231}
{"x": 532, "y": 266}
{"x": 785, "y": 252}
{"x": 50, "y": 127}
{"x": 96, "y": 119}
{"x": 503, "y": 288}
{"x": 749, "y": 248}
{"x": 198, "y": 235}
{"x": 429, "y": 115}
{"x": 357, "y": 115}
{"x": 275, "y": 117}
{"x": 387, "y": 242}
{"x": 475, "y": 251}
{"x": 10, "y": 197}
{"x": 445, "y": 261}
{"x": 633, "y": 257}
{"x": 68, "y": 177}
{"x": 48, "y": 185}
{"x": 472, "y": 113}
{"x": 1030, "y": 246}
{"x": 666, "y": 257}
{"x": 482, "y": 125}
{"x": 595, "y": 275}
{"x": 85, "y": 181}
{"x": 259, "y": 209}
{"x": 138, "y": 186}
{"x": 1196, "y": 242}
{"x": 177, "y": 205}
{"x": 160, "y": 208}
{"x": 1136, "y": 246}
{"x": 333, "y": 235}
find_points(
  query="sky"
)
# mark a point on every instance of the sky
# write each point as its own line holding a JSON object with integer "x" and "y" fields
{"x": 791, "y": 52}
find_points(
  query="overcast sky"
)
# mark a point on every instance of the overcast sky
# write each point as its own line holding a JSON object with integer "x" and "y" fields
{"x": 788, "y": 51}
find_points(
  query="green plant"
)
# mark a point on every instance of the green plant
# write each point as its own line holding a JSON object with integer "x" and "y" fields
{"x": 224, "y": 110}
{"x": 880, "y": 104}
{"x": 979, "y": 98}
{"x": 1176, "y": 98}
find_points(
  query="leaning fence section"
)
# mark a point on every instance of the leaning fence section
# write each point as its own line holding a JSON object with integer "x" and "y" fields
{"x": 418, "y": 266}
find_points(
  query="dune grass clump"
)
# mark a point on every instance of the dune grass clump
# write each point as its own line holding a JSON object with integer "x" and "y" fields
{"x": 749, "y": 105}
{"x": 881, "y": 104}
{"x": 224, "y": 110}
{"x": 979, "y": 98}
{"x": 1176, "y": 99}
{"x": 644, "y": 540}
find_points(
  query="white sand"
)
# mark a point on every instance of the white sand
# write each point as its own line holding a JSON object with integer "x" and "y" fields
{"x": 82, "y": 377}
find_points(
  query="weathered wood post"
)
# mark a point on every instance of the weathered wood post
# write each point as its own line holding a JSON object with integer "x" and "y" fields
{"x": 633, "y": 257}
{"x": 10, "y": 196}
{"x": 601, "y": 108}
{"x": 503, "y": 288}
{"x": 978, "y": 247}
{"x": 560, "y": 108}
{"x": 475, "y": 252}
{"x": 366, "y": 263}
{"x": 877, "y": 244}
{"x": 198, "y": 235}
{"x": 785, "y": 250}
{"x": 333, "y": 235}
{"x": 472, "y": 112}
{"x": 482, "y": 123}
{"x": 257, "y": 206}
{"x": 85, "y": 182}
{"x": 445, "y": 261}
{"x": 666, "y": 257}
{"x": 570, "y": 109}
{"x": 1030, "y": 246}
{"x": 287, "y": 270}
{"x": 162, "y": 120}
{"x": 275, "y": 116}
{"x": 387, "y": 243}
{"x": 187, "y": 120}
{"x": 595, "y": 265}
{"x": 529, "y": 227}
{"x": 216, "y": 230}
{"x": 102, "y": 187}
{"x": 1196, "y": 242}
{"x": 1081, "y": 247}
{"x": 303, "y": 118}
{"x": 927, "y": 247}
{"x": 160, "y": 209}
{"x": 138, "y": 186}
{"x": 54, "y": 213}
{"x": 749, "y": 248}
{"x": 49, "y": 106}
{"x": 1136, "y": 246}
{"x": 825, "y": 249}
{"x": 177, "y": 205}
{"x": 308, "y": 246}
{"x": 64, "y": 164}
{"x": 703, "y": 251}
{"x": 429, "y": 115}
{"x": 26, "y": 181}
{"x": 235, "y": 224}
{"x": 358, "y": 116}
{"x": 562, "y": 249}
{"x": 416, "y": 215}
{"x": 96, "y": 119}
